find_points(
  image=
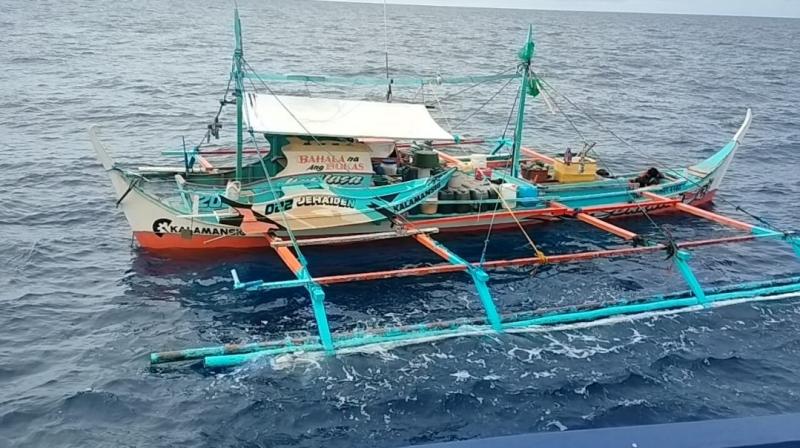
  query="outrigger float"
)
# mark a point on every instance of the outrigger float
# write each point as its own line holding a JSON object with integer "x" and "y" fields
{"x": 314, "y": 144}
{"x": 494, "y": 321}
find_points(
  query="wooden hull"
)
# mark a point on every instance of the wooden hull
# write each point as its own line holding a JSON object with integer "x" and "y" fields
{"x": 209, "y": 237}
{"x": 157, "y": 226}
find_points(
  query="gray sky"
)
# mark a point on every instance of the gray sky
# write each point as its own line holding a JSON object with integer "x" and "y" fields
{"x": 769, "y": 8}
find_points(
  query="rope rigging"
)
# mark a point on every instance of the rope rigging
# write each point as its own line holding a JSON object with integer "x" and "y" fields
{"x": 286, "y": 225}
{"x": 646, "y": 156}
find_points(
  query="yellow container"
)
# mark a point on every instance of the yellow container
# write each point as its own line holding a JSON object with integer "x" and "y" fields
{"x": 577, "y": 171}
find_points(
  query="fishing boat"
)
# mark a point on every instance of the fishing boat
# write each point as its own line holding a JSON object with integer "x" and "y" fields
{"x": 253, "y": 211}
{"x": 304, "y": 145}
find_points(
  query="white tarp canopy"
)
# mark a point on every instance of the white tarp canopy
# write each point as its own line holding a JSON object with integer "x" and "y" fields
{"x": 325, "y": 117}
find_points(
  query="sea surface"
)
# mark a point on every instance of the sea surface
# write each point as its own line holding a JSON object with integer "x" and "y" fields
{"x": 81, "y": 308}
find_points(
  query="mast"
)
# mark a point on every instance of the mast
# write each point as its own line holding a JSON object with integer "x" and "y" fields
{"x": 238, "y": 76}
{"x": 526, "y": 56}
{"x": 389, "y": 81}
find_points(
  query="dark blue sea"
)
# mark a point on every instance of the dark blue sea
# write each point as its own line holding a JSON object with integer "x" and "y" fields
{"x": 81, "y": 308}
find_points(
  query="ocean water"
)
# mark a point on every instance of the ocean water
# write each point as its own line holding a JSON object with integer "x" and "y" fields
{"x": 80, "y": 308}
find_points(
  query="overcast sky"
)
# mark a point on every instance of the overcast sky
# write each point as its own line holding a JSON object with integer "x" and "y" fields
{"x": 769, "y": 8}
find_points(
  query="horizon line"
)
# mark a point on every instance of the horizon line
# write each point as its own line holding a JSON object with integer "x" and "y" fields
{"x": 404, "y": 3}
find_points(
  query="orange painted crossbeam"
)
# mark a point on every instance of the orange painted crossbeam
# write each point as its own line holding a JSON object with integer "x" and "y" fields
{"x": 287, "y": 256}
{"x": 711, "y": 216}
{"x": 607, "y": 226}
{"x": 527, "y": 261}
{"x": 597, "y": 222}
{"x": 538, "y": 156}
{"x": 448, "y": 158}
{"x": 429, "y": 243}
{"x": 205, "y": 163}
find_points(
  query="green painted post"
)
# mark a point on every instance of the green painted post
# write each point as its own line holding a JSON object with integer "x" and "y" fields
{"x": 238, "y": 76}
{"x": 526, "y": 56}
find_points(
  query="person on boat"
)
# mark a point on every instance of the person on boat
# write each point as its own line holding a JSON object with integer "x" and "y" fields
{"x": 568, "y": 156}
{"x": 650, "y": 177}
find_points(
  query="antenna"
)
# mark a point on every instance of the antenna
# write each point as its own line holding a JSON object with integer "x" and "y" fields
{"x": 386, "y": 52}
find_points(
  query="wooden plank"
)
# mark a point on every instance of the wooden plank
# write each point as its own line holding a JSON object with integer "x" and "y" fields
{"x": 348, "y": 239}
{"x": 204, "y": 163}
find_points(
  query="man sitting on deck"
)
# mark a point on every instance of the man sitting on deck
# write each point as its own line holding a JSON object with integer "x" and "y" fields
{"x": 650, "y": 177}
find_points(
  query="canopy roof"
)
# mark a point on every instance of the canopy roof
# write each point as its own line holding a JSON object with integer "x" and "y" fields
{"x": 325, "y": 117}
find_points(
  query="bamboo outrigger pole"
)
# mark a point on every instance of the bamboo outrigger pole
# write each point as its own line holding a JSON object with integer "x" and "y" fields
{"x": 238, "y": 76}
{"x": 493, "y": 321}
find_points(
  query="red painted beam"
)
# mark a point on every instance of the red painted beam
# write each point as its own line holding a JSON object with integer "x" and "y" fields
{"x": 528, "y": 261}
{"x": 487, "y": 216}
{"x": 628, "y": 206}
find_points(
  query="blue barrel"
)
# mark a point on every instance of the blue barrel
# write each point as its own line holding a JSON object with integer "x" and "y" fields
{"x": 527, "y": 195}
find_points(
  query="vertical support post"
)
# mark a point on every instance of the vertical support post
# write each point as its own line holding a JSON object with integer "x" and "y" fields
{"x": 238, "y": 75}
{"x": 796, "y": 245}
{"x": 525, "y": 56}
{"x": 682, "y": 258}
{"x": 479, "y": 277}
{"x": 318, "y": 305}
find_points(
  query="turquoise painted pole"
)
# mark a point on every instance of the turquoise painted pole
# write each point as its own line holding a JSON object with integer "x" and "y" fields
{"x": 796, "y": 245}
{"x": 234, "y": 354}
{"x": 318, "y": 304}
{"x": 526, "y": 56}
{"x": 480, "y": 277}
{"x": 238, "y": 76}
{"x": 682, "y": 262}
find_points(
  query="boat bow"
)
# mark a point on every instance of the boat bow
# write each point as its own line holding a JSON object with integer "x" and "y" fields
{"x": 717, "y": 165}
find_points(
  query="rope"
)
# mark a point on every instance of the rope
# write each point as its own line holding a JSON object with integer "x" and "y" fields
{"x": 472, "y": 86}
{"x": 488, "y": 234}
{"x": 386, "y": 42}
{"x": 221, "y": 105}
{"x": 670, "y": 240}
{"x": 567, "y": 117}
{"x": 294, "y": 117}
{"x": 511, "y": 112}
{"x": 131, "y": 186}
{"x": 539, "y": 254}
{"x": 271, "y": 92}
{"x": 656, "y": 162}
{"x": 458, "y": 125}
{"x": 444, "y": 112}
{"x": 282, "y": 211}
